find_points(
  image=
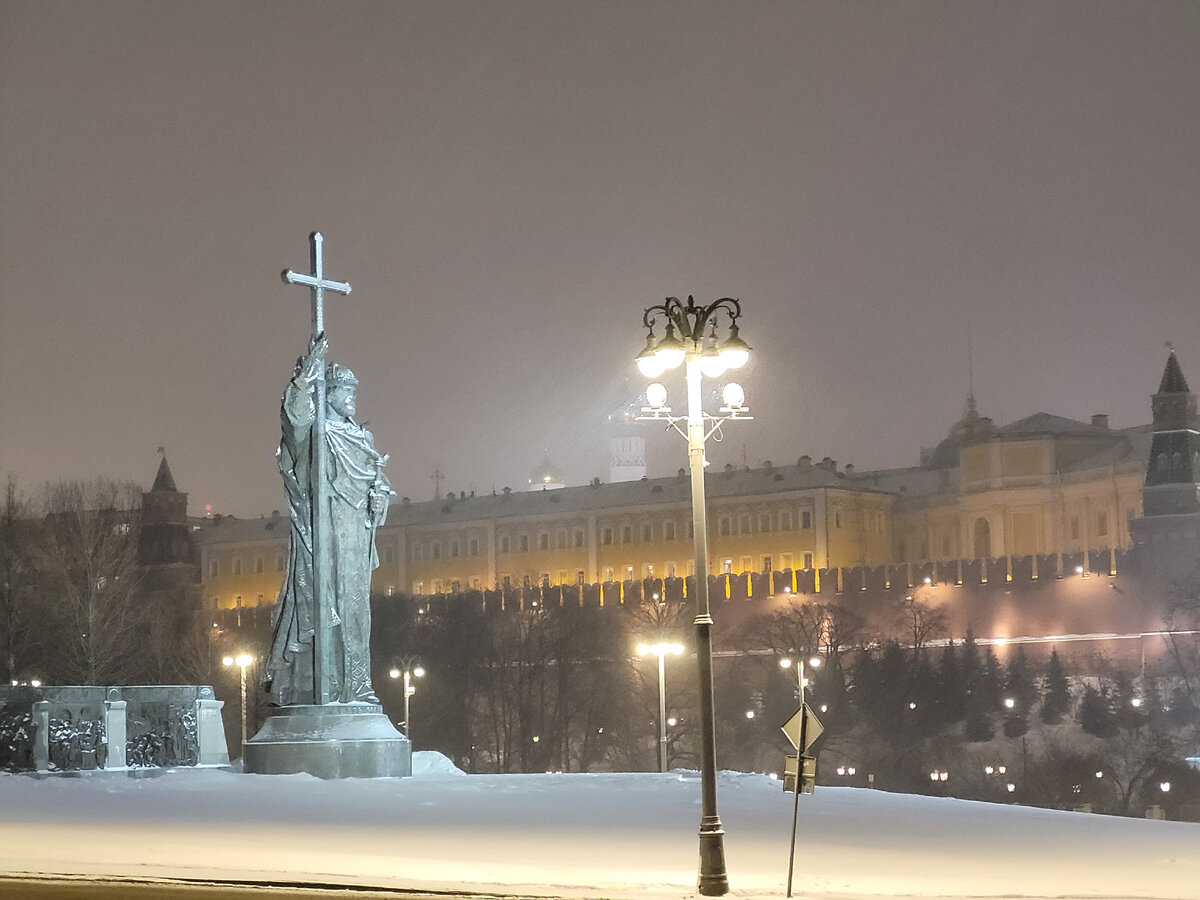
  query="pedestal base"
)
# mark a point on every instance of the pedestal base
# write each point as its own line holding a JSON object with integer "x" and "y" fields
{"x": 353, "y": 740}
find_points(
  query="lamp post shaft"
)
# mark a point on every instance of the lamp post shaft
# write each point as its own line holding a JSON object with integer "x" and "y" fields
{"x": 713, "y": 881}
{"x": 407, "y": 694}
{"x": 662, "y": 711}
{"x": 243, "y": 668}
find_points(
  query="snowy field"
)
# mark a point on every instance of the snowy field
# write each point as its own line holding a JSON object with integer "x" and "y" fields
{"x": 585, "y": 836}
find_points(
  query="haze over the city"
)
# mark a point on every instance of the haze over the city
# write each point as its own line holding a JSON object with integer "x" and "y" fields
{"x": 508, "y": 185}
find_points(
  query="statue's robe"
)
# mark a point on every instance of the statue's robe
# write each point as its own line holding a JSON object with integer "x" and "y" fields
{"x": 354, "y": 472}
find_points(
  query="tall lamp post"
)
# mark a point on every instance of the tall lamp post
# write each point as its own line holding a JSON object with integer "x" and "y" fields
{"x": 685, "y": 341}
{"x": 661, "y": 649}
{"x": 242, "y": 661}
{"x": 409, "y": 669}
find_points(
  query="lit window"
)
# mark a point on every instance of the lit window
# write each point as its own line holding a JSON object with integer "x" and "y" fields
{"x": 669, "y": 530}
{"x": 805, "y": 520}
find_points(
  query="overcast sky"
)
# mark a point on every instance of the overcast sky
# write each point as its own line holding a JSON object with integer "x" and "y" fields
{"x": 507, "y": 185}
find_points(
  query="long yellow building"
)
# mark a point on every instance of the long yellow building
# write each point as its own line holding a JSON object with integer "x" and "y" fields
{"x": 1041, "y": 485}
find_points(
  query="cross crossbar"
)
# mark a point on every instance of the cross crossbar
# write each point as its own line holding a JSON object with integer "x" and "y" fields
{"x": 317, "y": 282}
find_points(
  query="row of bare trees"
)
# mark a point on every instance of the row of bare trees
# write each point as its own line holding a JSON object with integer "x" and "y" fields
{"x": 73, "y": 609}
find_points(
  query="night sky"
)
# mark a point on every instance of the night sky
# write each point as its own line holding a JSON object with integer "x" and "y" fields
{"x": 507, "y": 185}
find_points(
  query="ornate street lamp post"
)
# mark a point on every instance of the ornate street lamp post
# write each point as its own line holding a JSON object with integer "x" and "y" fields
{"x": 410, "y": 669}
{"x": 702, "y": 354}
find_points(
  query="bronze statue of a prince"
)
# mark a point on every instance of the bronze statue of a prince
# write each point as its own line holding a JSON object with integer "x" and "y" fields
{"x": 338, "y": 496}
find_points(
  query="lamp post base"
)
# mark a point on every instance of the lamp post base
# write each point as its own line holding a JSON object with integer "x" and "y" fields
{"x": 713, "y": 882}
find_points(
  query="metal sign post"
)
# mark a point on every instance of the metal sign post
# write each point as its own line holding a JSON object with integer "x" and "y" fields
{"x": 801, "y": 730}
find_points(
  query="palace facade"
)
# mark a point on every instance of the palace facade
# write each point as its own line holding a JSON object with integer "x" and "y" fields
{"x": 1040, "y": 486}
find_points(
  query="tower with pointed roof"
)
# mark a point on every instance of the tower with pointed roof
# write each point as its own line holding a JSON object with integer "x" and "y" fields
{"x": 1172, "y": 485}
{"x": 166, "y": 552}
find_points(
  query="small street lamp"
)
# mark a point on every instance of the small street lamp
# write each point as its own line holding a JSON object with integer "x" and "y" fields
{"x": 686, "y": 342}
{"x": 661, "y": 649}
{"x": 801, "y": 681}
{"x": 409, "y": 668}
{"x": 242, "y": 661}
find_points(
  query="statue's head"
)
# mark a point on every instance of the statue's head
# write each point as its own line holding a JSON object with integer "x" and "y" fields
{"x": 341, "y": 388}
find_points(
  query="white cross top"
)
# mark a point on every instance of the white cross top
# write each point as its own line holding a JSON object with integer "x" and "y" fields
{"x": 317, "y": 282}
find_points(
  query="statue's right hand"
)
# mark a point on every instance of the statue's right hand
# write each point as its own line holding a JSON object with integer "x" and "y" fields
{"x": 315, "y": 360}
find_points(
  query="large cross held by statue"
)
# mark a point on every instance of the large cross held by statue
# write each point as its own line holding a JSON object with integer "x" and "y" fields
{"x": 323, "y": 602}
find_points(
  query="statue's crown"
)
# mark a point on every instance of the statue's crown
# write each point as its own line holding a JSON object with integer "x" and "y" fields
{"x": 340, "y": 376}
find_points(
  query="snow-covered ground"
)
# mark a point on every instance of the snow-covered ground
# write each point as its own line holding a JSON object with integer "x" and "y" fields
{"x": 587, "y": 836}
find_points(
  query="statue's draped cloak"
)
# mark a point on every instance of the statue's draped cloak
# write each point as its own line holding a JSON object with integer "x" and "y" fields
{"x": 356, "y": 486}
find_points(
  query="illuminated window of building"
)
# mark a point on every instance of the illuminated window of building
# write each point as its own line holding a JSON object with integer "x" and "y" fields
{"x": 545, "y": 579}
{"x": 473, "y": 546}
{"x": 727, "y": 567}
{"x": 475, "y": 582}
{"x": 626, "y": 534}
{"x": 544, "y": 540}
{"x": 237, "y": 566}
{"x": 609, "y": 574}
{"x": 580, "y": 577}
{"x": 560, "y": 540}
{"x": 669, "y": 530}
{"x": 237, "y": 601}
{"x": 808, "y": 560}
{"x": 418, "y": 587}
{"x": 747, "y": 564}
{"x": 526, "y": 581}
{"x": 785, "y": 561}
{"x": 524, "y": 543}
{"x": 391, "y": 589}
{"x": 723, "y": 525}
{"x": 766, "y": 566}
{"x": 670, "y": 568}
{"x": 606, "y": 536}
{"x": 647, "y": 533}
{"x": 1102, "y": 524}
{"x": 628, "y": 573}
{"x": 504, "y": 546}
{"x": 744, "y": 524}
{"x": 562, "y": 576}
{"x": 435, "y": 551}
{"x": 260, "y": 600}
{"x": 805, "y": 520}
{"x": 578, "y": 537}
{"x": 506, "y": 580}
{"x": 764, "y": 522}
{"x": 455, "y": 585}
{"x": 647, "y": 570}
{"x": 258, "y": 565}
{"x": 454, "y": 548}
{"x": 785, "y": 520}
{"x": 437, "y": 585}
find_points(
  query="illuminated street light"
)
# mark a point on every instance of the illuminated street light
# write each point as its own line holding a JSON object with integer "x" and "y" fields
{"x": 661, "y": 649}
{"x": 242, "y": 661}
{"x": 703, "y": 354}
{"x": 1009, "y": 702}
{"x": 408, "y": 668}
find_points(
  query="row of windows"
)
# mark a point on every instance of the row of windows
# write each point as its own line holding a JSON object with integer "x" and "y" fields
{"x": 258, "y": 566}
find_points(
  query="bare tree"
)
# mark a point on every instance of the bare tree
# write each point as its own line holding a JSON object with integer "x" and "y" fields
{"x": 86, "y": 558}
{"x": 920, "y": 620}
{"x": 20, "y": 634}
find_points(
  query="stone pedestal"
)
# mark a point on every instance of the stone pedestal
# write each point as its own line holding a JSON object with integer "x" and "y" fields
{"x": 339, "y": 740}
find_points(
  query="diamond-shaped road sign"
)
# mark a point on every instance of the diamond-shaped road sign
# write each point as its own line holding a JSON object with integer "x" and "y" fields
{"x": 791, "y": 728}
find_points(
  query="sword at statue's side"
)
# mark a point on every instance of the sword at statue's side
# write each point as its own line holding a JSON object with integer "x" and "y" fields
{"x": 318, "y": 488}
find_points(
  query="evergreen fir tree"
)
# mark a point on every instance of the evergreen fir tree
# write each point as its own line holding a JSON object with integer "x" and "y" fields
{"x": 951, "y": 693}
{"x": 1056, "y": 691}
{"x": 1095, "y": 714}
